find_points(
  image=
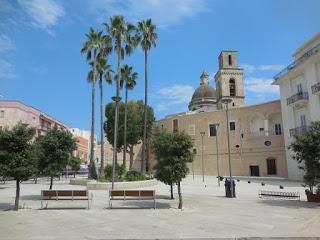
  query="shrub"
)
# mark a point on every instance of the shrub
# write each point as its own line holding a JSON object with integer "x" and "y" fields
{"x": 120, "y": 171}
{"x": 133, "y": 175}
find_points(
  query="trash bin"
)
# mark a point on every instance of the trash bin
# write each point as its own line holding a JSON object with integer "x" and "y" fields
{"x": 227, "y": 186}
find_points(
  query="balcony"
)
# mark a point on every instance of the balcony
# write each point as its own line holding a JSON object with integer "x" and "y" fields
{"x": 300, "y": 60}
{"x": 298, "y": 130}
{"x": 265, "y": 133}
{"x": 316, "y": 88}
{"x": 298, "y": 100}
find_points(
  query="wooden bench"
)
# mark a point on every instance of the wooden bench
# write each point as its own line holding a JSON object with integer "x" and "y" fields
{"x": 125, "y": 195}
{"x": 61, "y": 195}
{"x": 283, "y": 195}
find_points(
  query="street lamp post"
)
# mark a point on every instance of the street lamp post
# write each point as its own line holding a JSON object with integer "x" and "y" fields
{"x": 218, "y": 171}
{"x": 194, "y": 151}
{"x": 202, "y": 163}
{"x": 226, "y": 102}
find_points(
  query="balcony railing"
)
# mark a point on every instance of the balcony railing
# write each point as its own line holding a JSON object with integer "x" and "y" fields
{"x": 316, "y": 88}
{"x": 265, "y": 133}
{"x": 298, "y": 130}
{"x": 304, "y": 57}
{"x": 297, "y": 97}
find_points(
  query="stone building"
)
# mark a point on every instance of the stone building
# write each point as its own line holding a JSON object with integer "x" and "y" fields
{"x": 300, "y": 96}
{"x": 256, "y": 136}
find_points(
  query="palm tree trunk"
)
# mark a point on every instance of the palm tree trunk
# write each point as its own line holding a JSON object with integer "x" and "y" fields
{"x": 131, "y": 156}
{"x": 143, "y": 160}
{"x": 125, "y": 129}
{"x": 16, "y": 202}
{"x": 92, "y": 111}
{"x": 114, "y": 160}
{"x": 101, "y": 132}
{"x": 180, "y": 196}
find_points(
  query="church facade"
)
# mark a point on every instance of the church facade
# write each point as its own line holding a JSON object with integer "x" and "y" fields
{"x": 256, "y": 136}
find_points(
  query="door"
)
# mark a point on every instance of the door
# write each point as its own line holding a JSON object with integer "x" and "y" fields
{"x": 254, "y": 171}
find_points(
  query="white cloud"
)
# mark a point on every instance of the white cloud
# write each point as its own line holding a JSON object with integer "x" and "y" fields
{"x": 261, "y": 86}
{"x": 175, "y": 96}
{"x": 44, "y": 13}
{"x": 162, "y": 12}
{"x": 6, "y": 70}
{"x": 6, "y": 44}
{"x": 273, "y": 67}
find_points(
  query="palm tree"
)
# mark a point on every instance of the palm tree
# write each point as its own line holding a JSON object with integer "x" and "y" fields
{"x": 148, "y": 38}
{"x": 95, "y": 42}
{"x": 103, "y": 71}
{"x": 121, "y": 32}
{"x": 128, "y": 78}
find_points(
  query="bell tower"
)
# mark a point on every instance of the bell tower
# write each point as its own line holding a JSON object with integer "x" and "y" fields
{"x": 229, "y": 80}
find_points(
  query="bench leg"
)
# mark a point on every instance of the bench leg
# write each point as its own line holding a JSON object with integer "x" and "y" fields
{"x": 154, "y": 203}
{"x": 88, "y": 204}
{"x": 41, "y": 204}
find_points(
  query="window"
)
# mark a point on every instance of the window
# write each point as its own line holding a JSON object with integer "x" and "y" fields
{"x": 2, "y": 114}
{"x": 161, "y": 126}
{"x": 230, "y": 60}
{"x": 277, "y": 129}
{"x": 212, "y": 130}
{"x": 232, "y": 126}
{"x": 303, "y": 120}
{"x": 232, "y": 87}
{"x": 271, "y": 166}
{"x": 261, "y": 129}
{"x": 192, "y": 129}
{"x": 175, "y": 125}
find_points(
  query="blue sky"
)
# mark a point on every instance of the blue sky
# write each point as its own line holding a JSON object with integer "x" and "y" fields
{"x": 40, "y": 42}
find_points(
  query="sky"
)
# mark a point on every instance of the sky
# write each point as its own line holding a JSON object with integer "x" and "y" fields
{"x": 41, "y": 64}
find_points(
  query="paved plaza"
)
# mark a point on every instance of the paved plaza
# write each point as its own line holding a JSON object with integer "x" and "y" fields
{"x": 206, "y": 214}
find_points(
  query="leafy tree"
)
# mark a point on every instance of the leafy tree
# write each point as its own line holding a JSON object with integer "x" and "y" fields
{"x": 17, "y": 155}
{"x": 128, "y": 80}
{"x": 134, "y": 125}
{"x": 306, "y": 147}
{"x": 97, "y": 43}
{"x": 121, "y": 32}
{"x": 74, "y": 163}
{"x": 54, "y": 150}
{"x": 173, "y": 152}
{"x": 147, "y": 38}
{"x": 103, "y": 71}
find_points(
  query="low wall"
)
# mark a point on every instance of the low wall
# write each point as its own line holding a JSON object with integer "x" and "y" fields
{"x": 94, "y": 185}
{"x": 121, "y": 185}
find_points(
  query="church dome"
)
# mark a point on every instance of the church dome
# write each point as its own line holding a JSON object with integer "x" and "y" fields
{"x": 205, "y": 96}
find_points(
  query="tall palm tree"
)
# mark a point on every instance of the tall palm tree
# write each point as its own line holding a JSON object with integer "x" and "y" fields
{"x": 148, "y": 38}
{"x": 128, "y": 79}
{"x": 95, "y": 42}
{"x": 103, "y": 71}
{"x": 121, "y": 32}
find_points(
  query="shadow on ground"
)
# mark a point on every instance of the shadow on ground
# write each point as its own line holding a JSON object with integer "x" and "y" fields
{"x": 139, "y": 205}
{"x": 289, "y": 203}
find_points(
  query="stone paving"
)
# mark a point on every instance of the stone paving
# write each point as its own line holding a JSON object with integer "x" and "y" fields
{"x": 206, "y": 214}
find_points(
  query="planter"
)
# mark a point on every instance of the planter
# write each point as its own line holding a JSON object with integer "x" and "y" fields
{"x": 313, "y": 197}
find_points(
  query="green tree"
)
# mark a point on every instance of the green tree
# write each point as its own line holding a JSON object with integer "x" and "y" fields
{"x": 121, "y": 32}
{"x": 17, "y": 155}
{"x": 148, "y": 38}
{"x": 173, "y": 152}
{"x": 54, "y": 150}
{"x": 306, "y": 147}
{"x": 134, "y": 124}
{"x": 103, "y": 71}
{"x": 128, "y": 80}
{"x": 95, "y": 43}
{"x": 74, "y": 163}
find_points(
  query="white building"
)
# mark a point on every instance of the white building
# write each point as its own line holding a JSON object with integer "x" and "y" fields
{"x": 300, "y": 96}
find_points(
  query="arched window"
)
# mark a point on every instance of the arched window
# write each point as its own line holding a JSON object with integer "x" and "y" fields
{"x": 232, "y": 87}
{"x": 230, "y": 60}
